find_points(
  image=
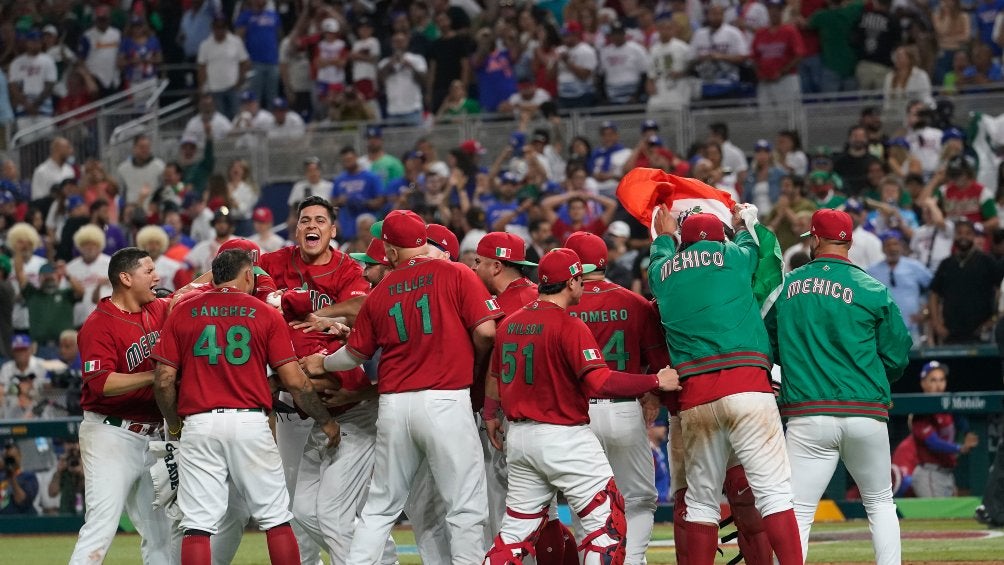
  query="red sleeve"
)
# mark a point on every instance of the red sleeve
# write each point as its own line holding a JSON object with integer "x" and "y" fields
{"x": 264, "y": 284}
{"x": 922, "y": 427}
{"x": 475, "y": 300}
{"x": 362, "y": 341}
{"x": 797, "y": 45}
{"x": 582, "y": 354}
{"x": 166, "y": 351}
{"x": 280, "y": 348}
{"x": 604, "y": 383}
{"x": 351, "y": 283}
{"x": 98, "y": 355}
{"x": 654, "y": 340}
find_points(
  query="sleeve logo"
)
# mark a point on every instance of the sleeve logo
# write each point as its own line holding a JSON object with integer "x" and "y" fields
{"x": 91, "y": 366}
{"x": 591, "y": 354}
{"x": 492, "y": 305}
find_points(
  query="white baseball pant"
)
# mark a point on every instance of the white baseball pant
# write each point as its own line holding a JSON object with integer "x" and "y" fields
{"x": 291, "y": 435}
{"x": 497, "y": 481}
{"x": 543, "y": 459}
{"x": 677, "y": 460}
{"x": 237, "y": 447}
{"x": 815, "y": 443}
{"x": 227, "y": 539}
{"x": 332, "y": 484}
{"x": 749, "y": 424}
{"x": 116, "y": 478}
{"x": 620, "y": 428}
{"x": 425, "y": 510}
{"x": 435, "y": 426}
{"x": 931, "y": 480}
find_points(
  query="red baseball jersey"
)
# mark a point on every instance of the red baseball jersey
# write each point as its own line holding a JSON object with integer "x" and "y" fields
{"x": 113, "y": 341}
{"x": 625, "y": 325}
{"x": 221, "y": 341}
{"x": 422, "y": 314}
{"x": 338, "y": 280}
{"x": 518, "y": 294}
{"x": 542, "y": 355}
{"x": 940, "y": 425}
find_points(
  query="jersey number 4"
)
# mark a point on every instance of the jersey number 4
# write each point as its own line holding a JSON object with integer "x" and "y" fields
{"x": 614, "y": 350}
{"x": 236, "y": 351}
{"x": 510, "y": 365}
{"x": 397, "y": 312}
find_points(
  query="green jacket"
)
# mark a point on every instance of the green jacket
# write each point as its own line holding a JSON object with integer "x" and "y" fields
{"x": 840, "y": 341}
{"x": 706, "y": 303}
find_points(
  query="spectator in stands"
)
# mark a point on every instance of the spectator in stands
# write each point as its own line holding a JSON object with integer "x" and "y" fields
{"x": 852, "y": 165}
{"x": 32, "y": 78}
{"x": 243, "y": 191}
{"x": 263, "y": 235}
{"x": 669, "y": 85}
{"x": 207, "y": 121}
{"x": 457, "y": 103}
{"x": 401, "y": 76}
{"x": 906, "y": 81}
{"x": 313, "y": 184}
{"x": 23, "y": 240}
{"x": 356, "y": 191}
{"x": 331, "y": 55}
{"x": 251, "y": 118}
{"x": 95, "y": 184}
{"x": 762, "y": 186}
{"x": 115, "y": 238}
{"x": 90, "y": 270}
{"x": 526, "y": 101}
{"x": 792, "y": 201}
{"x": 719, "y": 50}
{"x": 260, "y": 27}
{"x": 867, "y": 248}
{"x": 50, "y": 303}
{"x": 493, "y": 65}
{"x": 77, "y": 216}
{"x": 907, "y": 280}
{"x": 54, "y": 169}
{"x": 777, "y": 50}
{"x": 823, "y": 190}
{"x": 365, "y": 55}
{"x": 889, "y": 211}
{"x": 99, "y": 49}
{"x": 652, "y": 152}
{"x": 288, "y": 125}
{"x": 448, "y": 59}
{"x": 81, "y": 90}
{"x": 575, "y": 71}
{"x": 139, "y": 53}
{"x": 18, "y": 488}
{"x": 835, "y": 26}
{"x": 23, "y": 366}
{"x": 924, "y": 138}
{"x": 223, "y": 65}
{"x": 195, "y": 27}
{"x": 732, "y": 158}
{"x": 578, "y": 213}
{"x": 386, "y": 166}
{"x": 295, "y": 70}
{"x": 961, "y": 301}
{"x": 6, "y": 111}
{"x": 140, "y": 170}
{"x": 154, "y": 240}
{"x": 899, "y": 159}
{"x": 201, "y": 256}
{"x": 984, "y": 69}
{"x": 623, "y": 64}
{"x": 507, "y": 208}
{"x": 876, "y": 35}
{"x": 606, "y": 162}
{"x": 953, "y": 31}
{"x": 67, "y": 482}
{"x": 961, "y": 196}
{"x": 934, "y": 437}
{"x": 789, "y": 154}
{"x": 64, "y": 58}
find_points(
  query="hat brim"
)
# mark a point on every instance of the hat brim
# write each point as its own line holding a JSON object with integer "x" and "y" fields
{"x": 376, "y": 230}
{"x": 588, "y": 268}
{"x": 365, "y": 258}
{"x": 524, "y": 263}
{"x": 806, "y": 234}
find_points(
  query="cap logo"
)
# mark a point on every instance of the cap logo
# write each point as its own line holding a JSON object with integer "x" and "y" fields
{"x": 503, "y": 253}
{"x": 842, "y": 234}
{"x": 418, "y": 241}
{"x": 704, "y": 235}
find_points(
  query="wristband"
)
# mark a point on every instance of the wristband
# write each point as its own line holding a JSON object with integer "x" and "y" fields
{"x": 177, "y": 431}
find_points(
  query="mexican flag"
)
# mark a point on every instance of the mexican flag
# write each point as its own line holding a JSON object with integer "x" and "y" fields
{"x": 91, "y": 366}
{"x": 643, "y": 189}
{"x": 492, "y": 305}
{"x": 591, "y": 354}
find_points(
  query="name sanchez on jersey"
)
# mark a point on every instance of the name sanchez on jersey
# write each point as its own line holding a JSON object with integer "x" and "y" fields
{"x": 224, "y": 312}
{"x": 690, "y": 259}
{"x": 826, "y": 287}
{"x": 593, "y": 316}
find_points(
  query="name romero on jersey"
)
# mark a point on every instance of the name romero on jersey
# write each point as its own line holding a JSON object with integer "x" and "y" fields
{"x": 826, "y": 287}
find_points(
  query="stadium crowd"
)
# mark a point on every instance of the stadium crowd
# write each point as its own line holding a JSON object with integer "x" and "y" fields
{"x": 924, "y": 226}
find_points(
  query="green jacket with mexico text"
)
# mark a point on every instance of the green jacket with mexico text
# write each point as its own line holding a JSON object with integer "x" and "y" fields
{"x": 840, "y": 341}
{"x": 706, "y": 304}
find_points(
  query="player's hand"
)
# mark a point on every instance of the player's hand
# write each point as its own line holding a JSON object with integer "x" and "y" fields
{"x": 495, "y": 435}
{"x": 313, "y": 365}
{"x": 650, "y": 407}
{"x": 669, "y": 380}
{"x": 334, "y": 433}
{"x": 971, "y": 440}
{"x": 334, "y": 398}
{"x": 665, "y": 223}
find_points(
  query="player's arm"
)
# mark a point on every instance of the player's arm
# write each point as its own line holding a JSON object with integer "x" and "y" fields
{"x": 121, "y": 383}
{"x": 166, "y": 392}
{"x": 347, "y": 309}
{"x": 306, "y": 398}
{"x": 892, "y": 340}
{"x": 601, "y": 382}
{"x": 319, "y": 364}
{"x": 483, "y": 336}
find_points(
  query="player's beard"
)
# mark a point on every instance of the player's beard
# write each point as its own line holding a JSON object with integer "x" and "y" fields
{"x": 812, "y": 251}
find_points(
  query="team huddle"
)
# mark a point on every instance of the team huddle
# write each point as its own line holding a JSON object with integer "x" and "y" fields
{"x": 492, "y": 395}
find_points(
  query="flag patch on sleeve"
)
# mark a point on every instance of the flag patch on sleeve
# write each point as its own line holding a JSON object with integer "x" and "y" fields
{"x": 591, "y": 354}
{"x": 492, "y": 305}
{"x": 91, "y": 366}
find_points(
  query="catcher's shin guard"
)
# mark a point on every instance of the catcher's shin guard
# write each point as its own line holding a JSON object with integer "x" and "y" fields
{"x": 753, "y": 542}
{"x": 552, "y": 546}
{"x": 502, "y": 553}
{"x": 605, "y": 546}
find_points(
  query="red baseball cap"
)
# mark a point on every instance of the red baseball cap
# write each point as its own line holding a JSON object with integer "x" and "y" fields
{"x": 589, "y": 247}
{"x": 504, "y": 246}
{"x": 375, "y": 254}
{"x": 561, "y": 264}
{"x": 262, "y": 214}
{"x": 698, "y": 227}
{"x": 472, "y": 147}
{"x": 401, "y": 228}
{"x": 440, "y": 236}
{"x": 296, "y": 303}
{"x": 242, "y": 244}
{"x": 831, "y": 224}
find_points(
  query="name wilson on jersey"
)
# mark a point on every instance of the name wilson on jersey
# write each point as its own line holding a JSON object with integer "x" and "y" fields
{"x": 140, "y": 350}
{"x": 690, "y": 259}
{"x": 825, "y": 287}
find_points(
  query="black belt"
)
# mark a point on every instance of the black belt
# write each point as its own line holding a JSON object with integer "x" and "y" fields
{"x": 234, "y": 410}
{"x": 141, "y": 428}
{"x": 611, "y": 400}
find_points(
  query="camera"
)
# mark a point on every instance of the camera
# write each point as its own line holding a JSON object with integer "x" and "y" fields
{"x": 73, "y": 461}
{"x": 10, "y": 462}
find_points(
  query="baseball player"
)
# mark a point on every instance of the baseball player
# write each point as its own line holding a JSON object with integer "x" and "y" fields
{"x": 220, "y": 342}
{"x": 934, "y": 437}
{"x": 374, "y": 260}
{"x": 627, "y": 328}
{"x": 337, "y": 288}
{"x": 718, "y": 343}
{"x": 443, "y": 243}
{"x": 120, "y": 414}
{"x": 841, "y": 340}
{"x": 435, "y": 323}
{"x": 548, "y": 365}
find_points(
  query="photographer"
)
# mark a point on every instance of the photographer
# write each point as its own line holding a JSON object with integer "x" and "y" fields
{"x": 22, "y": 367}
{"x": 68, "y": 481}
{"x": 18, "y": 488}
